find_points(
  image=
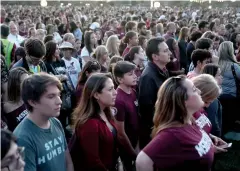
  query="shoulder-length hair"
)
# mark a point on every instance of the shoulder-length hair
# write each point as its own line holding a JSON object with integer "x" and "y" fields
{"x": 89, "y": 67}
{"x": 73, "y": 26}
{"x": 87, "y": 41}
{"x": 111, "y": 45}
{"x": 88, "y": 106}
{"x": 211, "y": 69}
{"x": 99, "y": 52}
{"x": 170, "y": 109}
{"x": 183, "y": 33}
{"x": 14, "y": 83}
{"x": 226, "y": 55}
{"x": 51, "y": 47}
{"x": 131, "y": 54}
{"x": 208, "y": 86}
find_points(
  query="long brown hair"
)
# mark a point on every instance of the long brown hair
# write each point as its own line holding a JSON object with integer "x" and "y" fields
{"x": 183, "y": 33}
{"x": 88, "y": 106}
{"x": 170, "y": 109}
{"x": 14, "y": 84}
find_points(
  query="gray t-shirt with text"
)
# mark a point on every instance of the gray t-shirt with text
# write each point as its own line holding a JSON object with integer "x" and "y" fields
{"x": 44, "y": 148}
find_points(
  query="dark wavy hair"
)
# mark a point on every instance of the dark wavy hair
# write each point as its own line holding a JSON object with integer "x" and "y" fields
{"x": 89, "y": 67}
{"x": 51, "y": 47}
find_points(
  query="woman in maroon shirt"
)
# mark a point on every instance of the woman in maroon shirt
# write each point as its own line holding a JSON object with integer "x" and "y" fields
{"x": 210, "y": 91}
{"x": 14, "y": 107}
{"x": 174, "y": 65}
{"x": 178, "y": 143}
{"x": 93, "y": 146}
{"x": 136, "y": 56}
{"x": 131, "y": 39}
{"x": 89, "y": 68}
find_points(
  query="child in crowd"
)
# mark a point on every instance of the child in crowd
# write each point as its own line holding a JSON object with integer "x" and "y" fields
{"x": 127, "y": 114}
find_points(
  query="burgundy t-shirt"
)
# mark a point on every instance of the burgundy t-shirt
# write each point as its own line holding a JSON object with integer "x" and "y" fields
{"x": 126, "y": 50}
{"x": 16, "y": 116}
{"x": 185, "y": 148}
{"x": 202, "y": 120}
{"x": 23, "y": 34}
{"x": 127, "y": 112}
{"x": 138, "y": 73}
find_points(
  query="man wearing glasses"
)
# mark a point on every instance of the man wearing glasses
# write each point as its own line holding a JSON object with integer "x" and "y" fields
{"x": 35, "y": 51}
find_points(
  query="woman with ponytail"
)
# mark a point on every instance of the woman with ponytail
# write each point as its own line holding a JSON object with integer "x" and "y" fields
{"x": 131, "y": 39}
{"x": 136, "y": 56}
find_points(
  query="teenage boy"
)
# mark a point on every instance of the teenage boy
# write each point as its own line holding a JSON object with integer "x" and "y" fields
{"x": 127, "y": 116}
{"x": 40, "y": 132}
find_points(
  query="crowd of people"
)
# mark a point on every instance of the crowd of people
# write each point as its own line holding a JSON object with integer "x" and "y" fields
{"x": 111, "y": 89}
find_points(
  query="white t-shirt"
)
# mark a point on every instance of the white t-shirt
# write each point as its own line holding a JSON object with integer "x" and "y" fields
{"x": 73, "y": 69}
{"x": 17, "y": 39}
{"x": 84, "y": 53}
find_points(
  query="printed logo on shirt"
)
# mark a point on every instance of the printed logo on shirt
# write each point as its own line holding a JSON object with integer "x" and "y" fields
{"x": 61, "y": 70}
{"x": 22, "y": 115}
{"x": 204, "y": 145}
{"x": 202, "y": 121}
{"x": 71, "y": 69}
{"x": 114, "y": 111}
{"x": 136, "y": 103}
{"x": 53, "y": 148}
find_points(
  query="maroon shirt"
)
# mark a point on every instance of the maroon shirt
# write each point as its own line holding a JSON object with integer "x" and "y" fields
{"x": 168, "y": 35}
{"x": 127, "y": 112}
{"x": 95, "y": 146}
{"x": 15, "y": 117}
{"x": 23, "y": 34}
{"x": 185, "y": 148}
{"x": 78, "y": 92}
{"x": 126, "y": 50}
{"x": 174, "y": 65}
{"x": 202, "y": 121}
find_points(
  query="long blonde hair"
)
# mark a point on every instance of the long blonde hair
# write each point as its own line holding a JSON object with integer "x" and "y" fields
{"x": 170, "y": 109}
{"x": 112, "y": 45}
{"x": 160, "y": 28}
{"x": 226, "y": 56}
{"x": 99, "y": 52}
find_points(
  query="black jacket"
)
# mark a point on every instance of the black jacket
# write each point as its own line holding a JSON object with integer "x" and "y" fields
{"x": 182, "y": 44}
{"x": 149, "y": 83}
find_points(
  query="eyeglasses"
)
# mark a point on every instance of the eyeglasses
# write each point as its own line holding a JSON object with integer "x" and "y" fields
{"x": 15, "y": 157}
{"x": 34, "y": 60}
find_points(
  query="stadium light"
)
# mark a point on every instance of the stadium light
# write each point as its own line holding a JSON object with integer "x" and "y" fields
{"x": 210, "y": 7}
{"x": 156, "y": 4}
{"x": 43, "y": 3}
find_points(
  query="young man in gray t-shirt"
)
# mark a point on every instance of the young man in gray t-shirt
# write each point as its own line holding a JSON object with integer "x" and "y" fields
{"x": 40, "y": 132}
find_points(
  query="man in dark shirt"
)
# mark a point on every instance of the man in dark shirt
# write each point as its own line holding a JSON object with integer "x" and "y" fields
{"x": 151, "y": 79}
